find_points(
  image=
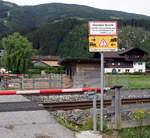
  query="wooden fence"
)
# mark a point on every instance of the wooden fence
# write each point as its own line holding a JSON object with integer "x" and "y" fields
{"x": 52, "y": 81}
{"x": 83, "y": 79}
{"x": 80, "y": 80}
{"x": 117, "y": 109}
{"x": 116, "y": 79}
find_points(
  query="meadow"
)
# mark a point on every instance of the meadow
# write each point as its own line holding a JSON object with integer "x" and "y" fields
{"x": 128, "y": 81}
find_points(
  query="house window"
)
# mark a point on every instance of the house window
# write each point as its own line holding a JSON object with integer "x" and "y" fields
{"x": 118, "y": 70}
{"x": 114, "y": 71}
{"x": 140, "y": 70}
{"x": 127, "y": 70}
{"x": 139, "y": 63}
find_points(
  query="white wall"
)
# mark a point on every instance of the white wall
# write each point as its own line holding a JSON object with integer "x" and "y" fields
{"x": 136, "y": 68}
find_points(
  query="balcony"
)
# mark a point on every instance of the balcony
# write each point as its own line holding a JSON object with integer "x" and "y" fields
{"x": 135, "y": 58}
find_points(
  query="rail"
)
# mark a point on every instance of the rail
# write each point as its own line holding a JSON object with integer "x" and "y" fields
{"x": 89, "y": 104}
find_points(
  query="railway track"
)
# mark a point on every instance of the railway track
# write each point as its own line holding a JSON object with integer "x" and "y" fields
{"x": 89, "y": 104}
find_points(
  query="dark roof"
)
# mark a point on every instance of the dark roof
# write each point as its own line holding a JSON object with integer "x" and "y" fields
{"x": 130, "y": 49}
{"x": 79, "y": 60}
{"x": 108, "y": 55}
{"x": 54, "y": 58}
{"x": 40, "y": 62}
{"x": 119, "y": 54}
{"x": 112, "y": 55}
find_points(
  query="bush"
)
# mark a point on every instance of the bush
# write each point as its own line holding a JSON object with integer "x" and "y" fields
{"x": 60, "y": 70}
{"x": 141, "y": 131}
{"x": 139, "y": 73}
{"x": 42, "y": 67}
{"x": 47, "y": 69}
{"x": 129, "y": 73}
{"x": 34, "y": 71}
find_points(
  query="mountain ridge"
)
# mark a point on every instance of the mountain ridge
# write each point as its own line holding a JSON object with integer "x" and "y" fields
{"x": 13, "y": 16}
{"x": 59, "y": 29}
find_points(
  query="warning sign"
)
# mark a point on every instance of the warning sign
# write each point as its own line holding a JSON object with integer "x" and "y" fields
{"x": 102, "y": 28}
{"x": 103, "y": 43}
{"x": 103, "y": 36}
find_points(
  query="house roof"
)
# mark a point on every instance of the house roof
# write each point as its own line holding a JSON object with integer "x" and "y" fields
{"x": 119, "y": 54}
{"x": 130, "y": 49}
{"x": 48, "y": 58}
{"x": 108, "y": 55}
{"x": 78, "y": 60}
{"x": 112, "y": 55}
{"x": 52, "y": 63}
{"x": 49, "y": 63}
{"x": 39, "y": 62}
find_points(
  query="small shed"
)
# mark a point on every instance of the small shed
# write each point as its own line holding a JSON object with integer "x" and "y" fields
{"x": 84, "y": 72}
{"x": 74, "y": 65}
{"x": 46, "y": 61}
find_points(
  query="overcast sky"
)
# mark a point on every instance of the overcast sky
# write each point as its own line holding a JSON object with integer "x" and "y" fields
{"x": 132, "y": 6}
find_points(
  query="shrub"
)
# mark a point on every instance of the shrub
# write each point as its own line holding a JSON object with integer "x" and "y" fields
{"x": 47, "y": 69}
{"x": 138, "y": 132}
{"x": 139, "y": 73}
{"x": 34, "y": 71}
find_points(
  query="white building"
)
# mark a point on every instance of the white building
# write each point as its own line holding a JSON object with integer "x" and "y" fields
{"x": 130, "y": 60}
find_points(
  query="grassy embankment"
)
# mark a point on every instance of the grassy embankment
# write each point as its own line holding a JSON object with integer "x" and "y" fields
{"x": 134, "y": 81}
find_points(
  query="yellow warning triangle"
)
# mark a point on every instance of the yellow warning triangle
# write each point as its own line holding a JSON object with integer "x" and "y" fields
{"x": 103, "y": 43}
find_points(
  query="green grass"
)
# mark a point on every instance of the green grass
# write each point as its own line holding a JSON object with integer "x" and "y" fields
{"x": 87, "y": 126}
{"x": 139, "y": 81}
{"x": 112, "y": 80}
{"x": 138, "y": 132}
{"x": 68, "y": 124}
{"x": 134, "y": 81}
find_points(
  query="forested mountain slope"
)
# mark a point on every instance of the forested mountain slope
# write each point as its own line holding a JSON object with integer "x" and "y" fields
{"x": 62, "y": 29}
{"x": 14, "y": 16}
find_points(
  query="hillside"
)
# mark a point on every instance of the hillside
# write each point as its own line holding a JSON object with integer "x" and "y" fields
{"x": 78, "y": 46}
{"x": 69, "y": 38}
{"x": 14, "y": 16}
{"x": 62, "y": 29}
{"x": 47, "y": 38}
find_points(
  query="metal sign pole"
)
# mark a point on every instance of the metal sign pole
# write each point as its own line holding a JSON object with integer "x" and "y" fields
{"x": 102, "y": 91}
{"x": 94, "y": 112}
{"x": 93, "y": 94}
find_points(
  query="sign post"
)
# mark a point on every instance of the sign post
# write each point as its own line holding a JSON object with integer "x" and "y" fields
{"x": 102, "y": 38}
{"x": 102, "y": 91}
{"x": 93, "y": 94}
